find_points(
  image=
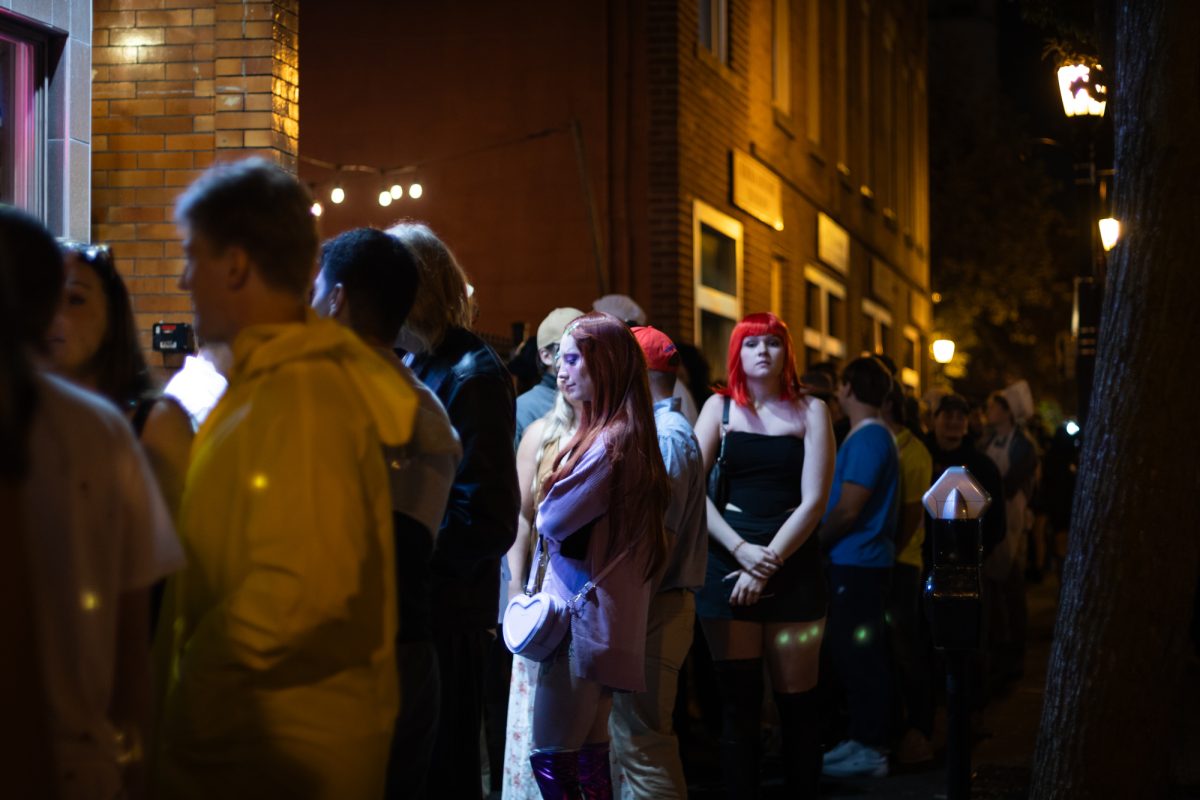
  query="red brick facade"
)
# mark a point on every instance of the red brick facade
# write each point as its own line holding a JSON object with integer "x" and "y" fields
{"x": 176, "y": 85}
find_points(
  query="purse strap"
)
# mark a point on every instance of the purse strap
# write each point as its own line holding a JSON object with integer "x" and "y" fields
{"x": 586, "y": 588}
{"x": 724, "y": 425}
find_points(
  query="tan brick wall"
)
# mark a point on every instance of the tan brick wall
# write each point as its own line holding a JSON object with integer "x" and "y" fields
{"x": 176, "y": 85}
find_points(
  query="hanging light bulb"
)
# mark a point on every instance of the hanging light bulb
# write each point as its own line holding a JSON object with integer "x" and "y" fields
{"x": 385, "y": 198}
{"x": 317, "y": 209}
{"x": 337, "y": 194}
{"x": 397, "y": 191}
{"x": 415, "y": 191}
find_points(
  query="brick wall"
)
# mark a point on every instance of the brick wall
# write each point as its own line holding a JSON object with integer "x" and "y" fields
{"x": 176, "y": 85}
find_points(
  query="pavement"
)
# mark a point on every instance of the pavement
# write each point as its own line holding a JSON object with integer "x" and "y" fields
{"x": 1002, "y": 755}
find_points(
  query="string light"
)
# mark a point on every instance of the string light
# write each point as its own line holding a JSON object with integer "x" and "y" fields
{"x": 337, "y": 194}
{"x": 397, "y": 191}
{"x": 415, "y": 191}
{"x": 317, "y": 209}
{"x": 385, "y": 198}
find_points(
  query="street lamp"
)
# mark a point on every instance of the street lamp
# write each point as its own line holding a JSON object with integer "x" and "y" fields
{"x": 943, "y": 350}
{"x": 1082, "y": 93}
{"x": 1110, "y": 232}
{"x": 1085, "y": 95}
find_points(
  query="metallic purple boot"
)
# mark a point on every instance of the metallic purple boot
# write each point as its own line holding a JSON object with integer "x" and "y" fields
{"x": 595, "y": 774}
{"x": 557, "y": 773}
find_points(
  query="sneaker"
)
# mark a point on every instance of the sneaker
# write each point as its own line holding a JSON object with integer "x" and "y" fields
{"x": 913, "y": 749}
{"x": 865, "y": 762}
{"x": 841, "y": 751}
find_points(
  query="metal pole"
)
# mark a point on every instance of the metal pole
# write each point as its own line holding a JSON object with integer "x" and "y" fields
{"x": 958, "y": 737}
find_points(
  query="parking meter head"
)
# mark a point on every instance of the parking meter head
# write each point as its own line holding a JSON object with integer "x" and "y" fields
{"x": 956, "y": 495}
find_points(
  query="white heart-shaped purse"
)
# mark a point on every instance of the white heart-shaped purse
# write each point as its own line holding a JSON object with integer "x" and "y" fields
{"x": 534, "y": 625}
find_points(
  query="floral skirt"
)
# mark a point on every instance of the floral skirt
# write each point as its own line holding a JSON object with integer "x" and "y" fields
{"x": 518, "y": 775}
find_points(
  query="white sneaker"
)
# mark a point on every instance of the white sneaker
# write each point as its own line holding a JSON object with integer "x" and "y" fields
{"x": 842, "y": 751}
{"x": 864, "y": 762}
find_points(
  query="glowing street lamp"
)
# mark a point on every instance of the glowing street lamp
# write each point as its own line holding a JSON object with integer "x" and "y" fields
{"x": 1110, "y": 232}
{"x": 943, "y": 350}
{"x": 1082, "y": 94}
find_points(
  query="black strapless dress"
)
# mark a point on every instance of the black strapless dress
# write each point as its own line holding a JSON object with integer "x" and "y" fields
{"x": 764, "y": 488}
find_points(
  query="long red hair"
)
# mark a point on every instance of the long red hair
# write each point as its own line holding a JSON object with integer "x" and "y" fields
{"x": 763, "y": 323}
{"x": 621, "y": 412}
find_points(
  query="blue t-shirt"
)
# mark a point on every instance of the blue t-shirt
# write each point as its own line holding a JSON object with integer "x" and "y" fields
{"x": 868, "y": 458}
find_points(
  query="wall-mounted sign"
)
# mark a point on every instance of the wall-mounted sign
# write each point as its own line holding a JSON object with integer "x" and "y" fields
{"x": 757, "y": 190}
{"x": 833, "y": 244}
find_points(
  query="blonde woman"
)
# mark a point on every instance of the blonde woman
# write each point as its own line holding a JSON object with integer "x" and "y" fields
{"x": 535, "y": 458}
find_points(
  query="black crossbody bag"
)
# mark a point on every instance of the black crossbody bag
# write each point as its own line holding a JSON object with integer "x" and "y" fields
{"x": 718, "y": 476}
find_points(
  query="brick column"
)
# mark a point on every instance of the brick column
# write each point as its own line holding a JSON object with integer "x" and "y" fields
{"x": 172, "y": 91}
{"x": 257, "y": 77}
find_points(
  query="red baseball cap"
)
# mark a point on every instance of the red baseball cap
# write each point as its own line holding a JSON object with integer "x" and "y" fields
{"x": 661, "y": 355}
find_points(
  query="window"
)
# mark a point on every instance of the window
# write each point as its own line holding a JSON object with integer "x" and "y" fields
{"x": 824, "y": 321}
{"x": 717, "y": 266}
{"x": 910, "y": 366}
{"x": 866, "y": 155}
{"x": 813, "y": 68}
{"x": 19, "y": 136}
{"x": 781, "y": 62}
{"x": 843, "y": 89}
{"x": 777, "y": 269}
{"x": 887, "y": 101}
{"x": 714, "y": 28}
{"x": 876, "y": 329}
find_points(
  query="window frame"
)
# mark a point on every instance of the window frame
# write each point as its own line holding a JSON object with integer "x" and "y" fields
{"x": 817, "y": 338}
{"x": 879, "y": 317}
{"x": 706, "y": 298}
{"x": 719, "y": 21}
{"x": 30, "y": 189}
{"x": 911, "y": 376}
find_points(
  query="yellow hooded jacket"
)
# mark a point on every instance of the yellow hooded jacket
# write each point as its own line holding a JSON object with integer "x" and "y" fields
{"x": 283, "y": 679}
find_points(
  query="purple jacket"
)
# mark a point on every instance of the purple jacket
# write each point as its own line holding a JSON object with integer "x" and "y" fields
{"x": 609, "y": 635}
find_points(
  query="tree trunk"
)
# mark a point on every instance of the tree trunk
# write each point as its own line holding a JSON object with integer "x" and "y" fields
{"x": 1116, "y": 665}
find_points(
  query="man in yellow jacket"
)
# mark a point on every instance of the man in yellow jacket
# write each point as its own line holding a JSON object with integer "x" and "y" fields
{"x": 282, "y": 678}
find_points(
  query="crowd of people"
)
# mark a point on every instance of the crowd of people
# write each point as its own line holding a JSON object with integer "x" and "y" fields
{"x": 284, "y": 574}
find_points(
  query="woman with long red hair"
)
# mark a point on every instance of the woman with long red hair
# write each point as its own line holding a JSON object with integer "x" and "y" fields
{"x": 603, "y": 510}
{"x": 764, "y": 591}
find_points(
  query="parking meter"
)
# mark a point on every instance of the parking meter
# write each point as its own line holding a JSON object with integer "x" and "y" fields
{"x": 953, "y": 594}
{"x": 956, "y": 501}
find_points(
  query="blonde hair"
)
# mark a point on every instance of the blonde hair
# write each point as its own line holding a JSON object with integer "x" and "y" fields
{"x": 561, "y": 421}
{"x": 441, "y": 302}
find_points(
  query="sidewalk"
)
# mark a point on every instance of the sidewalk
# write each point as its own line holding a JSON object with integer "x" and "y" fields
{"x": 1001, "y": 761}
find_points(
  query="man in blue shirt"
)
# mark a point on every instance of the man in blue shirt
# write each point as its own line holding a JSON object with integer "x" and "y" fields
{"x": 858, "y": 534}
{"x": 644, "y": 742}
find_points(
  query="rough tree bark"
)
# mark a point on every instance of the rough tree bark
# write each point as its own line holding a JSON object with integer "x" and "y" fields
{"x": 1116, "y": 664}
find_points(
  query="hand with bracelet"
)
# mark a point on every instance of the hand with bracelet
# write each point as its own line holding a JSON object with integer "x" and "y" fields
{"x": 761, "y": 562}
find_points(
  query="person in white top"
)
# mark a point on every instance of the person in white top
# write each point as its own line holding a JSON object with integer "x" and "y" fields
{"x": 97, "y": 537}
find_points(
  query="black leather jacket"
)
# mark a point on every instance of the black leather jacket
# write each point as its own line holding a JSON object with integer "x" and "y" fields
{"x": 481, "y": 517}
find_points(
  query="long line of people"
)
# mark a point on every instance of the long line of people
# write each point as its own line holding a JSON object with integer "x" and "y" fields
{"x": 340, "y": 530}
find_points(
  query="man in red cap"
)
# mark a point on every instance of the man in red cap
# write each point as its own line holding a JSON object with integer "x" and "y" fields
{"x": 643, "y": 739}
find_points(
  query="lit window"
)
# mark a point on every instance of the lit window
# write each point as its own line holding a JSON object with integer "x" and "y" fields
{"x": 910, "y": 369}
{"x": 824, "y": 321}
{"x": 717, "y": 266}
{"x": 877, "y": 329}
{"x": 813, "y": 47}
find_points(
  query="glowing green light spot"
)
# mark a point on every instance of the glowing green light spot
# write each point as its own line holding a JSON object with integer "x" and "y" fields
{"x": 815, "y": 630}
{"x": 803, "y": 638}
{"x": 783, "y": 638}
{"x": 862, "y": 634}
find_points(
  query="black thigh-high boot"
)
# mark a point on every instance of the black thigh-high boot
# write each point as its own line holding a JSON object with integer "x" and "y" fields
{"x": 800, "y": 715}
{"x": 741, "y": 685}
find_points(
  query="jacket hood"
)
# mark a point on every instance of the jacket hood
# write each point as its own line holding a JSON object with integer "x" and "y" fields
{"x": 391, "y": 403}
